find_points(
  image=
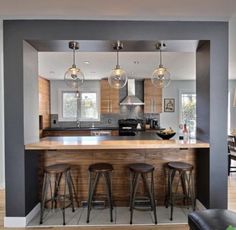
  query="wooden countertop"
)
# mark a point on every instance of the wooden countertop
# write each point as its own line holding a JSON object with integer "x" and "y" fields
{"x": 96, "y": 142}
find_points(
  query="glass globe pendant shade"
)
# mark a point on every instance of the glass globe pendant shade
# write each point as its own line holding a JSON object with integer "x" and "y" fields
{"x": 117, "y": 78}
{"x": 161, "y": 77}
{"x": 74, "y": 77}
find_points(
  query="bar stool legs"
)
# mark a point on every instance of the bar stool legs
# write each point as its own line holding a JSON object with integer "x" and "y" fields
{"x": 57, "y": 171}
{"x": 95, "y": 172}
{"x": 185, "y": 178}
{"x": 140, "y": 171}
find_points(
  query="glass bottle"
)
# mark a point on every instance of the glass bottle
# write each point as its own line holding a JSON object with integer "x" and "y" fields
{"x": 185, "y": 133}
{"x": 181, "y": 135}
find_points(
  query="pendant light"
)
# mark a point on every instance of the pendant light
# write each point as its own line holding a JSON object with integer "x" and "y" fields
{"x": 160, "y": 76}
{"x": 74, "y": 77}
{"x": 118, "y": 77}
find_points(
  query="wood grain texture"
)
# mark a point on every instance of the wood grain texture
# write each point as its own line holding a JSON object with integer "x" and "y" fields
{"x": 152, "y": 98}
{"x": 95, "y": 142}
{"x": 44, "y": 102}
{"x": 110, "y": 102}
{"x": 120, "y": 159}
{"x": 58, "y": 133}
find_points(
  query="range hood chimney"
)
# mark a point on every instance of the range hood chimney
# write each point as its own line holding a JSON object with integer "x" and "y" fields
{"x": 131, "y": 99}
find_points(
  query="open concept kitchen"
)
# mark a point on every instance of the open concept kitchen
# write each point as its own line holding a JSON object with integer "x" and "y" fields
{"x": 114, "y": 128}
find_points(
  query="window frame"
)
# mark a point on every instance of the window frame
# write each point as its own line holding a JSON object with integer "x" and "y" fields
{"x": 60, "y": 105}
{"x": 181, "y": 92}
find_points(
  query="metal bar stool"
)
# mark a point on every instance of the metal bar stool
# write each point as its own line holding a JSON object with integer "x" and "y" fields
{"x": 140, "y": 171}
{"x": 57, "y": 171}
{"x": 95, "y": 172}
{"x": 185, "y": 178}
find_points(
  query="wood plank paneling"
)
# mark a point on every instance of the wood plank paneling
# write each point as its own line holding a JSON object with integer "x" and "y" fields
{"x": 109, "y": 98}
{"x": 152, "y": 98}
{"x": 80, "y": 161}
{"x": 44, "y": 101}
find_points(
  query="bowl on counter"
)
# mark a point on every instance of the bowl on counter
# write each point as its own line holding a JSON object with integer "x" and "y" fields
{"x": 164, "y": 135}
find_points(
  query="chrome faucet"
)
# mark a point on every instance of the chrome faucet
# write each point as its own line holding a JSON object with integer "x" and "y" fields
{"x": 78, "y": 123}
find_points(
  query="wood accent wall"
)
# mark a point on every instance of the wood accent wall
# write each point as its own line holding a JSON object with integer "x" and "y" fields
{"x": 152, "y": 98}
{"x": 81, "y": 159}
{"x": 110, "y": 101}
{"x": 44, "y": 101}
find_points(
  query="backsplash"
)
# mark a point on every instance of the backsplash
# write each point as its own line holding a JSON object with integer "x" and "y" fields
{"x": 111, "y": 120}
{"x": 106, "y": 120}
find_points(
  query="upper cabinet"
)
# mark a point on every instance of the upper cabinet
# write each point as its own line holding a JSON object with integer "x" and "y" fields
{"x": 110, "y": 100}
{"x": 152, "y": 98}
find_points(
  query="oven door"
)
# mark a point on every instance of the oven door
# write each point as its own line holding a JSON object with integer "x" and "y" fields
{"x": 126, "y": 133}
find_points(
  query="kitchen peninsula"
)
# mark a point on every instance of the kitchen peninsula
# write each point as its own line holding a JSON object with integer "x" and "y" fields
{"x": 119, "y": 151}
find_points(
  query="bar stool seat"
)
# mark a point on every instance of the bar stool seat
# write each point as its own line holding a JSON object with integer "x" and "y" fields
{"x": 178, "y": 165}
{"x": 184, "y": 171}
{"x": 57, "y": 168}
{"x": 137, "y": 171}
{"x": 100, "y": 167}
{"x": 57, "y": 171}
{"x": 95, "y": 172}
{"x": 141, "y": 167}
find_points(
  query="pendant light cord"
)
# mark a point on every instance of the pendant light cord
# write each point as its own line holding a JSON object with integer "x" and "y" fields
{"x": 117, "y": 57}
{"x": 160, "y": 57}
{"x": 74, "y": 54}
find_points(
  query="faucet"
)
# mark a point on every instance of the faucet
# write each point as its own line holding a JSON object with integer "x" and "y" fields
{"x": 78, "y": 123}
{"x": 93, "y": 125}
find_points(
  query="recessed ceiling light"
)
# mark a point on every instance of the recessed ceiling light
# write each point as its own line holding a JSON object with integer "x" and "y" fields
{"x": 86, "y": 62}
{"x": 136, "y": 62}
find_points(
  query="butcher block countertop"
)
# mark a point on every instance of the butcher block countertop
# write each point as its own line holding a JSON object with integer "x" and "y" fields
{"x": 112, "y": 142}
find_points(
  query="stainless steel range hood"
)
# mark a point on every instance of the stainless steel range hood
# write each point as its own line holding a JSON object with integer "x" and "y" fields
{"x": 131, "y": 99}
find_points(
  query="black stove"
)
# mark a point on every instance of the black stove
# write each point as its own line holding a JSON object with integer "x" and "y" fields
{"x": 128, "y": 127}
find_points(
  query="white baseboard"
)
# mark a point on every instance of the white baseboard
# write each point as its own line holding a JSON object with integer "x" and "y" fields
{"x": 21, "y": 222}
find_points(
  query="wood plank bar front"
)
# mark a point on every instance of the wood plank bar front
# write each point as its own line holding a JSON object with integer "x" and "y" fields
{"x": 119, "y": 153}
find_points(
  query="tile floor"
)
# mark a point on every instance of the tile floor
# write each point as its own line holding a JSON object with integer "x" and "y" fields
{"x": 101, "y": 217}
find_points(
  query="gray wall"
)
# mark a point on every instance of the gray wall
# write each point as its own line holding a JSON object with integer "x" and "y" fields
{"x": 172, "y": 119}
{"x": 16, "y": 31}
{"x": 31, "y": 94}
{"x": 232, "y": 109}
{"x": 2, "y": 167}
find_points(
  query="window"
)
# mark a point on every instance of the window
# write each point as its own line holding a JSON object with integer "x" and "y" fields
{"x": 85, "y": 107}
{"x": 188, "y": 111}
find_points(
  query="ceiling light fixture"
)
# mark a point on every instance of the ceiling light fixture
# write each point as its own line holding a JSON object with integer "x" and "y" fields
{"x": 74, "y": 77}
{"x": 160, "y": 76}
{"x": 118, "y": 77}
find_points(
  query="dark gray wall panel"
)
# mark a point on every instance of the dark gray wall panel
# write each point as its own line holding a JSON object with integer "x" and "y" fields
{"x": 203, "y": 90}
{"x": 31, "y": 179}
{"x": 17, "y": 31}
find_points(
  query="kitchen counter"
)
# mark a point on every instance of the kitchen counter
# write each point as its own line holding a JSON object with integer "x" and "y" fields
{"x": 120, "y": 151}
{"x": 80, "y": 128}
{"x": 140, "y": 141}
